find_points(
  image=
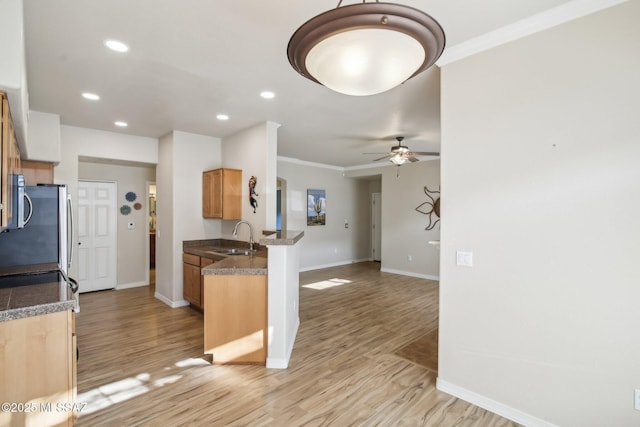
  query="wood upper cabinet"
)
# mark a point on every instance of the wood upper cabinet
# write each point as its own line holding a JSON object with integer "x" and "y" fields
{"x": 9, "y": 160}
{"x": 222, "y": 194}
{"x": 37, "y": 172}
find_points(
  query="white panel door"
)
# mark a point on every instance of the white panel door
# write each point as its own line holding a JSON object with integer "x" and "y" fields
{"x": 97, "y": 240}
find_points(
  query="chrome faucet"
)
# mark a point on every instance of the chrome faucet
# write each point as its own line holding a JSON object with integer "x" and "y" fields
{"x": 235, "y": 233}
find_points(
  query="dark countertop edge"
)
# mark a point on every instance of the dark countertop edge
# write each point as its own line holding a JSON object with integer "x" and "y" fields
{"x": 283, "y": 238}
{"x": 36, "y": 310}
{"x": 215, "y": 271}
{"x": 220, "y": 243}
{"x": 238, "y": 265}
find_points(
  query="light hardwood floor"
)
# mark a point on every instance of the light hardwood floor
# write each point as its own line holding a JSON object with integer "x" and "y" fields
{"x": 141, "y": 362}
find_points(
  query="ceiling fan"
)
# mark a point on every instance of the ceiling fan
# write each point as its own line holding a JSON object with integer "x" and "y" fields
{"x": 400, "y": 154}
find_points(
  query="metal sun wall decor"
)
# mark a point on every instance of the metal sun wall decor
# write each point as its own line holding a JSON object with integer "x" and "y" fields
{"x": 316, "y": 207}
{"x": 253, "y": 181}
{"x": 430, "y": 207}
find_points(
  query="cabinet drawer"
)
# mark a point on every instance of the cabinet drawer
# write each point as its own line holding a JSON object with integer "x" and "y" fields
{"x": 191, "y": 259}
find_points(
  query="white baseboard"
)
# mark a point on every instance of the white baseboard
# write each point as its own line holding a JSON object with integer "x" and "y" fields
{"x": 492, "y": 405}
{"x": 172, "y": 304}
{"x": 131, "y": 285}
{"x": 333, "y": 264}
{"x": 410, "y": 273}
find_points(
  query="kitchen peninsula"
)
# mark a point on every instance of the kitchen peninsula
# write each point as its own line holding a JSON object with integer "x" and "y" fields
{"x": 250, "y": 298}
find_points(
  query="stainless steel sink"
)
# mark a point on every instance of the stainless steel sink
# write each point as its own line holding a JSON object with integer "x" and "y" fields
{"x": 234, "y": 251}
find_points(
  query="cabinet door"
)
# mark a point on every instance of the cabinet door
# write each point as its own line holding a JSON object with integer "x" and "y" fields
{"x": 235, "y": 319}
{"x": 231, "y": 194}
{"x": 38, "y": 363}
{"x": 191, "y": 283}
{"x": 212, "y": 194}
{"x": 9, "y": 160}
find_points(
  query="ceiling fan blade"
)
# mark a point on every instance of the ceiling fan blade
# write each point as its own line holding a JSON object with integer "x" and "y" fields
{"x": 382, "y": 158}
{"x": 375, "y": 153}
{"x": 425, "y": 153}
{"x": 412, "y": 159}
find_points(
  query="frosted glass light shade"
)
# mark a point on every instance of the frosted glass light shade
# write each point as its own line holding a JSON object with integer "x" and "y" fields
{"x": 366, "y": 48}
{"x": 398, "y": 159}
{"x": 366, "y": 61}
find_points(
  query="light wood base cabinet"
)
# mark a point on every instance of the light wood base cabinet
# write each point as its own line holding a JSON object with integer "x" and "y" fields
{"x": 235, "y": 319}
{"x": 192, "y": 279}
{"x": 38, "y": 370}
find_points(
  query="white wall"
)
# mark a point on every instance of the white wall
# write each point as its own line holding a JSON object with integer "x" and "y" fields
{"x": 80, "y": 142}
{"x": 403, "y": 228}
{"x": 347, "y": 199}
{"x": 132, "y": 252}
{"x": 253, "y": 150}
{"x": 13, "y": 78}
{"x": 541, "y": 173}
{"x": 183, "y": 158}
{"x": 44, "y": 137}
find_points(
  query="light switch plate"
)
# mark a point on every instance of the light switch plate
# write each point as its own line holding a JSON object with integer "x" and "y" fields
{"x": 464, "y": 259}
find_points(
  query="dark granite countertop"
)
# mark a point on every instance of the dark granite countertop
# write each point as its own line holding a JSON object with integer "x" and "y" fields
{"x": 35, "y": 300}
{"x": 284, "y": 237}
{"x": 253, "y": 264}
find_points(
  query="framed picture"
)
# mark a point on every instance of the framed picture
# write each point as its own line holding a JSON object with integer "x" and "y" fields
{"x": 316, "y": 207}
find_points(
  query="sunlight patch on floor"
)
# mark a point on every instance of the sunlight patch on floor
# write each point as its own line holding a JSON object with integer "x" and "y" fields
{"x": 325, "y": 284}
{"x": 128, "y": 388}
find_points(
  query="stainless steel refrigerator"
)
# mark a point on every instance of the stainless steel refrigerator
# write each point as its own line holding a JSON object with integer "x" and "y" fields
{"x": 43, "y": 246}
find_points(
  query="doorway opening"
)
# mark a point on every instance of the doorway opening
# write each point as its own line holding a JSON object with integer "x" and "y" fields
{"x": 281, "y": 204}
{"x": 151, "y": 214}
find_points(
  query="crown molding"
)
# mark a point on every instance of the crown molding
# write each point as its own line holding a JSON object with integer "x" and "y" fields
{"x": 306, "y": 163}
{"x": 566, "y": 12}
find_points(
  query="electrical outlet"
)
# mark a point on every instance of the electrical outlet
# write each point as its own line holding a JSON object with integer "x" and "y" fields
{"x": 636, "y": 399}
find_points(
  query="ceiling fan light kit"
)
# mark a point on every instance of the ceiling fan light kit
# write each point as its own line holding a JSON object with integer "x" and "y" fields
{"x": 400, "y": 154}
{"x": 398, "y": 159}
{"x": 366, "y": 48}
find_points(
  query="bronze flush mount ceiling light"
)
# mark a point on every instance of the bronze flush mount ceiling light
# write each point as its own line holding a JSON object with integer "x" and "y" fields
{"x": 366, "y": 48}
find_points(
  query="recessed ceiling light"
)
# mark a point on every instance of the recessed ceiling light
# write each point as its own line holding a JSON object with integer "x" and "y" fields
{"x": 121, "y": 124}
{"x": 267, "y": 94}
{"x": 222, "y": 117}
{"x": 91, "y": 96}
{"x": 116, "y": 45}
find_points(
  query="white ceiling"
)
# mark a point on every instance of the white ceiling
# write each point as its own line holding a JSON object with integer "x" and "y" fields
{"x": 192, "y": 59}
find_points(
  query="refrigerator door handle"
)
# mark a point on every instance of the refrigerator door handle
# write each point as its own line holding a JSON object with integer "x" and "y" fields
{"x": 30, "y": 203}
{"x": 70, "y": 242}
